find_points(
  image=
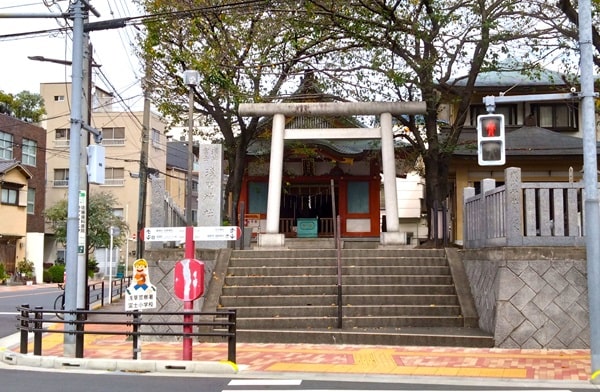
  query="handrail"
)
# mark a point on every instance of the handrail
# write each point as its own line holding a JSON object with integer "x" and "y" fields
{"x": 34, "y": 320}
{"x": 338, "y": 247}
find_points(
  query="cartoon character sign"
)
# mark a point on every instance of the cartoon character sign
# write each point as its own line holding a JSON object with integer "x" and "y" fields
{"x": 140, "y": 294}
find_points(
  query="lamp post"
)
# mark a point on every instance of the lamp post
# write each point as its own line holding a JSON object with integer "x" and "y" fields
{"x": 190, "y": 78}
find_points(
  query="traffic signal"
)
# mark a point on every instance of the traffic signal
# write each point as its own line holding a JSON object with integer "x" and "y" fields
{"x": 490, "y": 140}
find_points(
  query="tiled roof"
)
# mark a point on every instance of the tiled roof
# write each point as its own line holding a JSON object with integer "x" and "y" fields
{"x": 7, "y": 165}
{"x": 527, "y": 141}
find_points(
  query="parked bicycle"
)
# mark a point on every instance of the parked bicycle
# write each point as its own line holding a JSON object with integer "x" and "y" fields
{"x": 59, "y": 302}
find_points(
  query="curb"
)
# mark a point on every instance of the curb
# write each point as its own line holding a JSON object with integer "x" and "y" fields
{"x": 122, "y": 365}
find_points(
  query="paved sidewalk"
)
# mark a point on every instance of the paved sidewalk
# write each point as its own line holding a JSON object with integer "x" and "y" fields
{"x": 508, "y": 364}
{"x": 572, "y": 365}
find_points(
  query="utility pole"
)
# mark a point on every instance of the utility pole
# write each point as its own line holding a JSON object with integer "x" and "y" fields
{"x": 141, "y": 222}
{"x": 74, "y": 177}
{"x": 590, "y": 179}
{"x": 84, "y": 189}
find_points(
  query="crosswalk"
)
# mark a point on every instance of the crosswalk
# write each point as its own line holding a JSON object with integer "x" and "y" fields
{"x": 272, "y": 385}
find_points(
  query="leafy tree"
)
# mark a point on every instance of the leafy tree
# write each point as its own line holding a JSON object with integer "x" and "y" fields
{"x": 100, "y": 218}
{"x": 25, "y": 106}
{"x": 415, "y": 50}
{"x": 570, "y": 30}
{"x": 251, "y": 51}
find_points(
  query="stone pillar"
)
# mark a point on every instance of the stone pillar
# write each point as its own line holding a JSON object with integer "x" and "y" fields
{"x": 272, "y": 237}
{"x": 468, "y": 192}
{"x": 210, "y": 191}
{"x": 392, "y": 235}
{"x": 513, "y": 207}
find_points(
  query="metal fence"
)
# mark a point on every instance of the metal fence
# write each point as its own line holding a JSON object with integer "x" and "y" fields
{"x": 38, "y": 321}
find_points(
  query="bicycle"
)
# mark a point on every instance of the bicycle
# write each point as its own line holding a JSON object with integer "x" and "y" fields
{"x": 59, "y": 302}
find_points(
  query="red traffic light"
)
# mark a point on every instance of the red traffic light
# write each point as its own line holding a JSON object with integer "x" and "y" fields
{"x": 490, "y": 140}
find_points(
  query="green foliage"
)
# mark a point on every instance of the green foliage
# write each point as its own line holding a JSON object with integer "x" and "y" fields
{"x": 243, "y": 54}
{"x": 100, "y": 218}
{"x": 92, "y": 266}
{"x": 25, "y": 268}
{"x": 3, "y": 274}
{"x": 25, "y": 106}
{"x": 56, "y": 273}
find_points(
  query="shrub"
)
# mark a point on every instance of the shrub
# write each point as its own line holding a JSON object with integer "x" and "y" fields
{"x": 3, "y": 274}
{"x": 25, "y": 268}
{"x": 56, "y": 273}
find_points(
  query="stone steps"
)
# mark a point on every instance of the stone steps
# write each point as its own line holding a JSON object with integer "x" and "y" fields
{"x": 291, "y": 296}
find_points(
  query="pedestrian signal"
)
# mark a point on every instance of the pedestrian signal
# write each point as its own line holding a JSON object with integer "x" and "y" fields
{"x": 491, "y": 150}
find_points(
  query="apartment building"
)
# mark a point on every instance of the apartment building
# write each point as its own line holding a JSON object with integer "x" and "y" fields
{"x": 22, "y": 180}
{"x": 122, "y": 138}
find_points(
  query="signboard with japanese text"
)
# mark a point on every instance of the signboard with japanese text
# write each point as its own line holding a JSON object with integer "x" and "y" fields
{"x": 81, "y": 235}
{"x": 201, "y": 233}
{"x": 140, "y": 294}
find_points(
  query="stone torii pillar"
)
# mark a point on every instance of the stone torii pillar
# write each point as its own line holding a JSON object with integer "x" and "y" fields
{"x": 272, "y": 238}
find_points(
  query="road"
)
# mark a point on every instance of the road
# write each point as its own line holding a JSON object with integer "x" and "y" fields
{"x": 61, "y": 381}
{"x": 33, "y": 295}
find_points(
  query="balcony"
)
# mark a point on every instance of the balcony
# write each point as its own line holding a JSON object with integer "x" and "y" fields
{"x": 60, "y": 183}
{"x": 114, "y": 182}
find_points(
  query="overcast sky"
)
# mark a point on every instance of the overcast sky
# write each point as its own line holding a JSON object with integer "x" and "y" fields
{"x": 112, "y": 48}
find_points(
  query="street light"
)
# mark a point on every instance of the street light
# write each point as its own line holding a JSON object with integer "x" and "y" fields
{"x": 191, "y": 79}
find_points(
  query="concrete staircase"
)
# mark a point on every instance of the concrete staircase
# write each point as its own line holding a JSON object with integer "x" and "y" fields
{"x": 389, "y": 296}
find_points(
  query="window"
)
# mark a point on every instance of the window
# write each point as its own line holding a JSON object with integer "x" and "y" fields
{"x": 114, "y": 176}
{"x": 509, "y": 111}
{"x": 156, "y": 139}
{"x": 62, "y": 134}
{"x": 60, "y": 256}
{"x": 358, "y": 197}
{"x": 118, "y": 212}
{"x": 62, "y": 137}
{"x": 10, "y": 195}
{"x": 113, "y": 136}
{"x": 6, "y": 145}
{"x": 31, "y": 201}
{"x": 61, "y": 177}
{"x": 556, "y": 116}
{"x": 59, "y": 98}
{"x": 29, "y": 152}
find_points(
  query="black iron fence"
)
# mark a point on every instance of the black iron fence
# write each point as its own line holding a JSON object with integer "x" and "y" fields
{"x": 78, "y": 323}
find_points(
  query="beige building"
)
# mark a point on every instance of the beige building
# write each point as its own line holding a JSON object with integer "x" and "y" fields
{"x": 122, "y": 138}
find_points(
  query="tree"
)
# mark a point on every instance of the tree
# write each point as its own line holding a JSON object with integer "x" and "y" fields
{"x": 571, "y": 30}
{"x": 100, "y": 218}
{"x": 249, "y": 51}
{"x": 25, "y": 106}
{"x": 415, "y": 51}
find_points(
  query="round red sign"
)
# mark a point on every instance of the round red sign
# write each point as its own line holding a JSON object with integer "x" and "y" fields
{"x": 189, "y": 279}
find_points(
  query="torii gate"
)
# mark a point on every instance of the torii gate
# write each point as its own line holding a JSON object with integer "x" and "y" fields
{"x": 272, "y": 238}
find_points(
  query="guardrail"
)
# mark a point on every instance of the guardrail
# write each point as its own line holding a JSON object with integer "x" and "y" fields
{"x": 97, "y": 292}
{"x": 37, "y": 320}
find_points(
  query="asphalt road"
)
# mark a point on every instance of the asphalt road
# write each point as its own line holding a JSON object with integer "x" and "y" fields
{"x": 10, "y": 300}
{"x": 62, "y": 381}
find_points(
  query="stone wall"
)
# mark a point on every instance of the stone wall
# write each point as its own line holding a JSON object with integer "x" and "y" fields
{"x": 161, "y": 264}
{"x": 531, "y": 297}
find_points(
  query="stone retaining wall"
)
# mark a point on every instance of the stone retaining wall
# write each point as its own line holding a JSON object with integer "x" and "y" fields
{"x": 531, "y": 297}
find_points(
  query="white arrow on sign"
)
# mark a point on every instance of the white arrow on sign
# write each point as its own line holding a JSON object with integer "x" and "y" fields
{"x": 159, "y": 234}
{"x": 217, "y": 233}
{"x": 204, "y": 233}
